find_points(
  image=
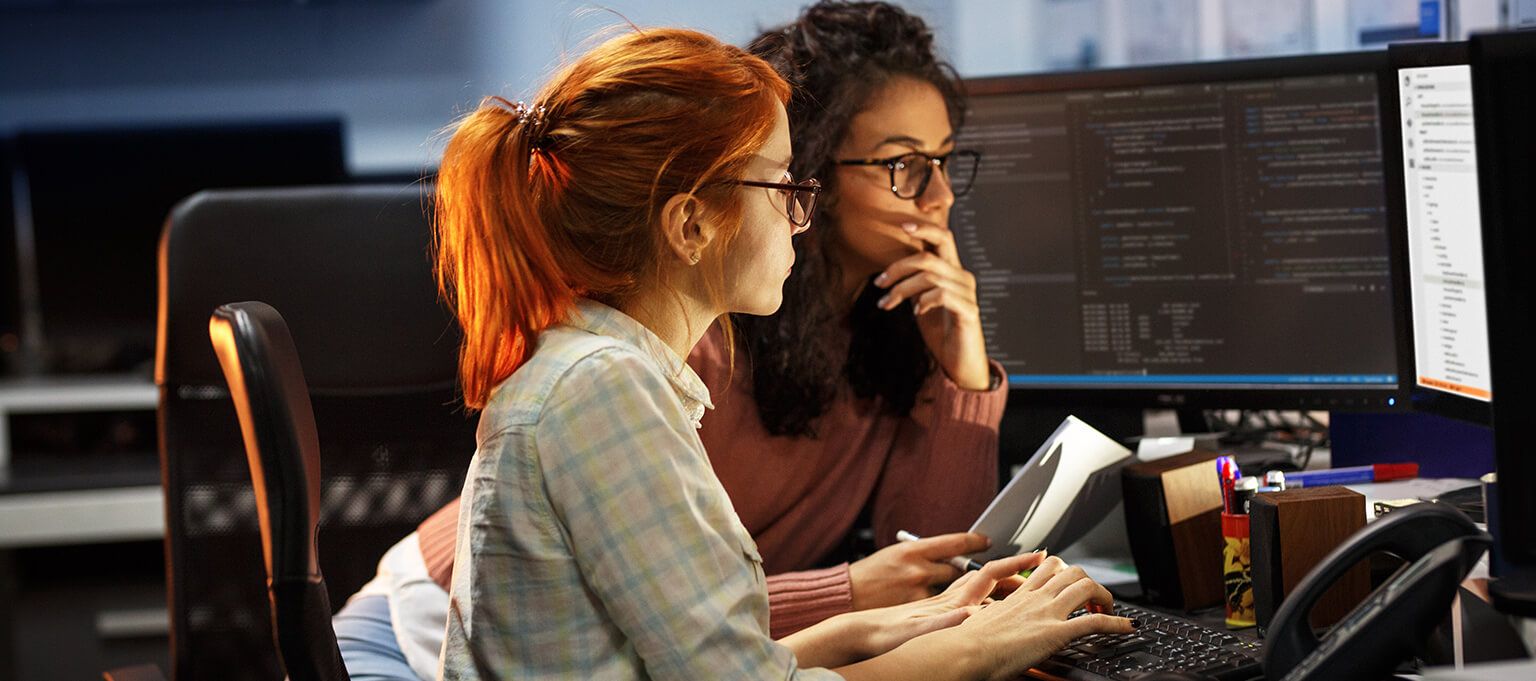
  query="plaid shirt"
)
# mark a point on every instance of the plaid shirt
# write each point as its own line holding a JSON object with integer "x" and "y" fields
{"x": 595, "y": 541}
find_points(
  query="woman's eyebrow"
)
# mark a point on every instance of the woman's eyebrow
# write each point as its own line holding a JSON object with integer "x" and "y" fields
{"x": 909, "y": 141}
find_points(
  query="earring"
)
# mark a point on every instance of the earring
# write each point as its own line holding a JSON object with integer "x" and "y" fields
{"x": 694, "y": 259}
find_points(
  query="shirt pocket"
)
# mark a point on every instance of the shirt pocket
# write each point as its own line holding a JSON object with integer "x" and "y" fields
{"x": 749, "y": 551}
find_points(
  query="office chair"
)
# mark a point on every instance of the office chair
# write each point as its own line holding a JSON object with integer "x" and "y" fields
{"x": 277, "y": 422}
{"x": 350, "y": 268}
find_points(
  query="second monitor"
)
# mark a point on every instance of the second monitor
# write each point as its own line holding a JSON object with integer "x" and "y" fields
{"x": 1203, "y": 235}
{"x": 1431, "y": 156}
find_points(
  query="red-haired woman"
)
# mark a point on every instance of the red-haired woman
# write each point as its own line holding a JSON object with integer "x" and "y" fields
{"x": 587, "y": 242}
{"x": 833, "y": 408}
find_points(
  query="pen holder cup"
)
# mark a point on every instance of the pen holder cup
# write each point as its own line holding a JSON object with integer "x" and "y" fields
{"x": 1236, "y": 577}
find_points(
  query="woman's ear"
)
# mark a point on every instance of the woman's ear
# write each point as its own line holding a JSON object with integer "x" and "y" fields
{"x": 687, "y": 227}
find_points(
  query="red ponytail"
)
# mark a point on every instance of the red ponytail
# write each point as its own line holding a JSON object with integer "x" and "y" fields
{"x": 534, "y": 211}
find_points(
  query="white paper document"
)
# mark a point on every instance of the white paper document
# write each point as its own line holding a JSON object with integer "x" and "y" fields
{"x": 1070, "y": 484}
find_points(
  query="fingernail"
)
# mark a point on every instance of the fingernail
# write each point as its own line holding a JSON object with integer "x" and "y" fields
{"x": 882, "y": 279}
{"x": 1135, "y": 624}
{"x": 909, "y": 227}
{"x": 884, "y": 303}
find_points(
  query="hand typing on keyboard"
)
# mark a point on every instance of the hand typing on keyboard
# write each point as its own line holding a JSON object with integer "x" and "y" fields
{"x": 1033, "y": 622}
{"x": 1161, "y": 643}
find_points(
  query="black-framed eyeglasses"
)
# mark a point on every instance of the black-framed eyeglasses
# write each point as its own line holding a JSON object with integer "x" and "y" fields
{"x": 911, "y": 171}
{"x": 799, "y": 199}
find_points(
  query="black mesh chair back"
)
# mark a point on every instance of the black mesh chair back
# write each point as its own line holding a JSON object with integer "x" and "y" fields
{"x": 350, "y": 268}
{"x": 266, "y": 382}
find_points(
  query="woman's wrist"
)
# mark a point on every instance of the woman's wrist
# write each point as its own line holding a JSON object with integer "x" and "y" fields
{"x": 833, "y": 642}
{"x": 859, "y": 631}
{"x": 965, "y": 653}
{"x": 977, "y": 376}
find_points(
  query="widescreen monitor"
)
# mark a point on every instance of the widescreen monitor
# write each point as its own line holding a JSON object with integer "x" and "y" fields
{"x": 1430, "y": 152}
{"x": 1209, "y": 235}
{"x": 96, "y": 200}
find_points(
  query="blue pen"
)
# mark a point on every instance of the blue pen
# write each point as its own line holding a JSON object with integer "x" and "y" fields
{"x": 1353, "y": 475}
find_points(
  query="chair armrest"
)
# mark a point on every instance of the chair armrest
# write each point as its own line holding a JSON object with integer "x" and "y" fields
{"x": 138, "y": 672}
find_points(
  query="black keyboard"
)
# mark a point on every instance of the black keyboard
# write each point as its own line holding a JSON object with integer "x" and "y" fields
{"x": 1161, "y": 643}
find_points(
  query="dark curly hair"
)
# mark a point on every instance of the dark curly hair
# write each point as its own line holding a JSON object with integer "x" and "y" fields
{"x": 836, "y": 55}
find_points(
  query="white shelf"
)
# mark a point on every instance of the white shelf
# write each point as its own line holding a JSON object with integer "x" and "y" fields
{"x": 81, "y": 517}
{"x": 77, "y": 516}
{"x": 76, "y": 393}
{"x": 55, "y": 394}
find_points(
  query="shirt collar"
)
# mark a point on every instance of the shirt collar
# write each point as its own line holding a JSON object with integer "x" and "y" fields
{"x": 594, "y": 317}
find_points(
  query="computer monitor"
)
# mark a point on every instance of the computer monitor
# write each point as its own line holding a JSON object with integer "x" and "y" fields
{"x": 1429, "y": 146}
{"x": 1504, "y": 97}
{"x": 1197, "y": 235}
{"x": 95, "y": 203}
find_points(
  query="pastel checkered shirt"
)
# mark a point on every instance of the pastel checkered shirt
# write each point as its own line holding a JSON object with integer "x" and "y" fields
{"x": 595, "y": 541}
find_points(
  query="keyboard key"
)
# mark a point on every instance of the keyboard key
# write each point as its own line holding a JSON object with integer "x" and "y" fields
{"x": 1139, "y": 659}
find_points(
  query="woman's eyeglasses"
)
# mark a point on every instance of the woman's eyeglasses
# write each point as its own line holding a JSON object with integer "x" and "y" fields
{"x": 911, "y": 172}
{"x": 799, "y": 198}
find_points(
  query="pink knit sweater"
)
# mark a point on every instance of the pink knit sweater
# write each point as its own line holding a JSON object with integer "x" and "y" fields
{"x": 929, "y": 473}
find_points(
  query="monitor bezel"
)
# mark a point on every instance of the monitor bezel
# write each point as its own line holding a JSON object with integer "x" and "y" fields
{"x": 10, "y": 274}
{"x": 1412, "y": 55}
{"x": 1308, "y": 397}
{"x": 1501, "y": 80}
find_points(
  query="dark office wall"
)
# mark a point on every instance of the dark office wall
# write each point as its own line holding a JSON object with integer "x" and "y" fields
{"x": 397, "y": 71}
{"x": 394, "y": 69}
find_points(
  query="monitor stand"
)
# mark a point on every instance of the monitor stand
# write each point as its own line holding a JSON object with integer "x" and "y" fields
{"x": 1255, "y": 459}
{"x": 1515, "y": 594}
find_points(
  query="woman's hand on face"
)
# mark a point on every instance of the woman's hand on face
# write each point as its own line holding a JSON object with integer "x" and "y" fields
{"x": 1031, "y": 623}
{"x": 886, "y": 628}
{"x": 943, "y": 296}
{"x": 909, "y": 571}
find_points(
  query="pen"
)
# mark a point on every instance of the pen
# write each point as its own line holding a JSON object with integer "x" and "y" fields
{"x": 1353, "y": 475}
{"x": 1227, "y": 474}
{"x": 1275, "y": 479}
{"x": 1242, "y": 493}
{"x": 960, "y": 563}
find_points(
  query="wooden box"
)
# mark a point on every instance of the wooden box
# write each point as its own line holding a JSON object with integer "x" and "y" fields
{"x": 1290, "y": 532}
{"x": 1173, "y": 517}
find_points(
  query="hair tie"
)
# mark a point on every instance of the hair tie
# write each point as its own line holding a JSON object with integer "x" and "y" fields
{"x": 535, "y": 124}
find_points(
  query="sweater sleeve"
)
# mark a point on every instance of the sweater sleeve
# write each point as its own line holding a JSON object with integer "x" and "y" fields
{"x": 797, "y": 600}
{"x": 437, "y": 535}
{"x": 942, "y": 471}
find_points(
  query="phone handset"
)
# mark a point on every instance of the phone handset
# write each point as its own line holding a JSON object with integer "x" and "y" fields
{"x": 1441, "y": 546}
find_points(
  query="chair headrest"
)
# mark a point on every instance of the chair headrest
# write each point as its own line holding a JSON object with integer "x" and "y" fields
{"x": 349, "y": 266}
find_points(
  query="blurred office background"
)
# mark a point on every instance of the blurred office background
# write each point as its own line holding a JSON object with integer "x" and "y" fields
{"x": 397, "y": 71}
{"x": 78, "y": 598}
